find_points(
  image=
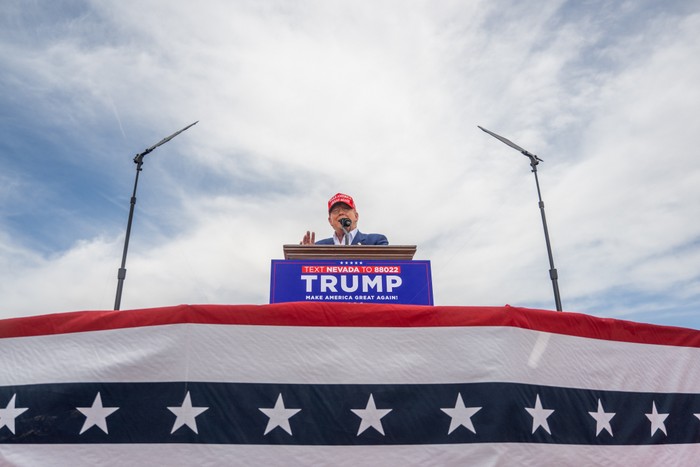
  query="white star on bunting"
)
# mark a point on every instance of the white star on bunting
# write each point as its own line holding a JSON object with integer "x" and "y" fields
{"x": 96, "y": 415}
{"x": 279, "y": 416}
{"x": 539, "y": 416}
{"x": 186, "y": 414}
{"x": 371, "y": 416}
{"x": 656, "y": 419}
{"x": 461, "y": 415}
{"x": 602, "y": 419}
{"x": 9, "y": 413}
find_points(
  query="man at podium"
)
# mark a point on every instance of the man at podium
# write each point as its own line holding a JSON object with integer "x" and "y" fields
{"x": 343, "y": 217}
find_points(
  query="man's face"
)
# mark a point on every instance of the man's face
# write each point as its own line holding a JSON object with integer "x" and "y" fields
{"x": 342, "y": 211}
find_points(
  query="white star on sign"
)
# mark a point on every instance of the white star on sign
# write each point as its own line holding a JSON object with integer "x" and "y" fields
{"x": 279, "y": 416}
{"x": 539, "y": 416}
{"x": 371, "y": 416}
{"x": 9, "y": 413}
{"x": 461, "y": 415}
{"x": 602, "y": 419}
{"x": 186, "y": 414}
{"x": 96, "y": 415}
{"x": 656, "y": 419}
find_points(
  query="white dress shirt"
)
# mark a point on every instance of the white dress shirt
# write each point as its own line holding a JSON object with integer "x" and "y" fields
{"x": 351, "y": 236}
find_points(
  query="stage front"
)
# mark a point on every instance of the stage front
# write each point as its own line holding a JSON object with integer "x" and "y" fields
{"x": 353, "y": 384}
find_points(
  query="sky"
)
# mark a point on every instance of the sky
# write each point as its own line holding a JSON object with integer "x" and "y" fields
{"x": 380, "y": 99}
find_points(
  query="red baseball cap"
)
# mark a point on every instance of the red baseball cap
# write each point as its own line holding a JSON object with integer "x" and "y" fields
{"x": 340, "y": 198}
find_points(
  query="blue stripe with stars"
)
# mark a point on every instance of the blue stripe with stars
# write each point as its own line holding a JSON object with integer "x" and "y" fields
{"x": 333, "y": 414}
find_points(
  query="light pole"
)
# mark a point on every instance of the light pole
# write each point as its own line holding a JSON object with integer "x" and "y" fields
{"x": 138, "y": 160}
{"x": 534, "y": 160}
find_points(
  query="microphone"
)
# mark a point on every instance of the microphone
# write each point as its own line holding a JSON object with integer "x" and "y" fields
{"x": 345, "y": 223}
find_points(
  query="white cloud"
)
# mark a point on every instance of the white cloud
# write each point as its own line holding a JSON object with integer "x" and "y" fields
{"x": 299, "y": 100}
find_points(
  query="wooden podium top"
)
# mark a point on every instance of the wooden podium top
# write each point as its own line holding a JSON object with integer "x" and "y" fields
{"x": 378, "y": 252}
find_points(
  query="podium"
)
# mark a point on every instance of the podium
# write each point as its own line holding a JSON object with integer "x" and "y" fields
{"x": 373, "y": 252}
{"x": 351, "y": 273}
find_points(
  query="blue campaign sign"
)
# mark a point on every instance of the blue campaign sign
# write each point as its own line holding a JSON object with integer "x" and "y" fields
{"x": 362, "y": 281}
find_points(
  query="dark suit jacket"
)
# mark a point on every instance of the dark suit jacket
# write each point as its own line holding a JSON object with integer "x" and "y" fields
{"x": 360, "y": 239}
